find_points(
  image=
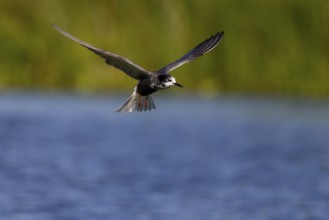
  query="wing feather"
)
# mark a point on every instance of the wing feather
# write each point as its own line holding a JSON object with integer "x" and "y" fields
{"x": 121, "y": 63}
{"x": 202, "y": 48}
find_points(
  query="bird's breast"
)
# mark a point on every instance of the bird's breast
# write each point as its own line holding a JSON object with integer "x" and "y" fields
{"x": 146, "y": 87}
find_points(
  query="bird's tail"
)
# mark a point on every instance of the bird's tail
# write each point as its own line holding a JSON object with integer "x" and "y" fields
{"x": 136, "y": 102}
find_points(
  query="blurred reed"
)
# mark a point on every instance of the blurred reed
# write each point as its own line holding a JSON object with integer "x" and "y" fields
{"x": 269, "y": 47}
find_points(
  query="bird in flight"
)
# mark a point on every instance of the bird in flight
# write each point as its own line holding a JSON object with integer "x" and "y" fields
{"x": 148, "y": 81}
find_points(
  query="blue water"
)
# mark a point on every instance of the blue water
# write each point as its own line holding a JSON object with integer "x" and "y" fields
{"x": 71, "y": 157}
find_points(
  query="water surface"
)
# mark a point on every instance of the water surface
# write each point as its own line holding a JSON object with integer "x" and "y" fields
{"x": 72, "y": 157}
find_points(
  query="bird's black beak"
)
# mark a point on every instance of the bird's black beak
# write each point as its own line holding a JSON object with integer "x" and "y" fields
{"x": 177, "y": 84}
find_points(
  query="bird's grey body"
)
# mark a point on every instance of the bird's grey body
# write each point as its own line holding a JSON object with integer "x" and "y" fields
{"x": 148, "y": 81}
{"x": 148, "y": 85}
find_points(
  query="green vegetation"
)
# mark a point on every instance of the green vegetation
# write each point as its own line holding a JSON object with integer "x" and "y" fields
{"x": 272, "y": 47}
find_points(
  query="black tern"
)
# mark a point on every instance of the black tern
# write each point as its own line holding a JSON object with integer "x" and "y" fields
{"x": 148, "y": 81}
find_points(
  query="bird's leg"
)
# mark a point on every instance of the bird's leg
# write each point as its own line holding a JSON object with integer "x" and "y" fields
{"x": 139, "y": 102}
{"x": 146, "y": 103}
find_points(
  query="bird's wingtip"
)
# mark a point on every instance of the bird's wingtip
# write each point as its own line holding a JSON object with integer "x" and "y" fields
{"x": 220, "y": 34}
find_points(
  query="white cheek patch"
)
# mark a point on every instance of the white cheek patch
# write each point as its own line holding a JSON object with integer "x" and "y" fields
{"x": 167, "y": 84}
{"x": 171, "y": 83}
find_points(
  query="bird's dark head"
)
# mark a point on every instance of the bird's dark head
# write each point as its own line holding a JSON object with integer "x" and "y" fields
{"x": 167, "y": 81}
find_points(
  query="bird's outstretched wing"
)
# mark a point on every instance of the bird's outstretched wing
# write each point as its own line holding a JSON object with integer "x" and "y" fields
{"x": 197, "y": 51}
{"x": 121, "y": 63}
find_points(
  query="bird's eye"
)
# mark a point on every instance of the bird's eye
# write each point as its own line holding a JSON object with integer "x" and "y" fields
{"x": 169, "y": 80}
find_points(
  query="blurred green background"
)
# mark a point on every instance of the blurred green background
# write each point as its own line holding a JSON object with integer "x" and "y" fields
{"x": 278, "y": 47}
